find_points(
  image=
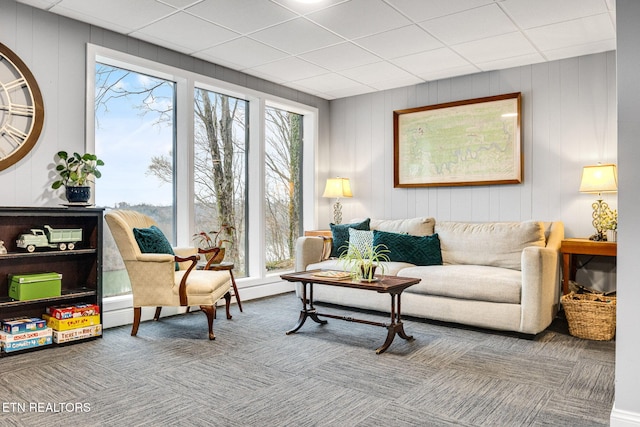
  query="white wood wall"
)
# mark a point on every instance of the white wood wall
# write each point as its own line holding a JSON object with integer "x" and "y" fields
{"x": 569, "y": 121}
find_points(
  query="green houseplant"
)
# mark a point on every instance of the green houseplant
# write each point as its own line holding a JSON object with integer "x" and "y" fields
{"x": 213, "y": 239}
{"x": 75, "y": 172}
{"x": 362, "y": 262}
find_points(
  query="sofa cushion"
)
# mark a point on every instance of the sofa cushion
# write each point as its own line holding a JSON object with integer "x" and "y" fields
{"x": 418, "y": 250}
{"x": 497, "y": 244}
{"x": 340, "y": 234}
{"x": 421, "y": 226}
{"x": 469, "y": 282}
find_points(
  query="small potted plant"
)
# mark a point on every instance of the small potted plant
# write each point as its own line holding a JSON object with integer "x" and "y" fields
{"x": 211, "y": 240}
{"x": 363, "y": 262}
{"x": 610, "y": 223}
{"x": 76, "y": 172}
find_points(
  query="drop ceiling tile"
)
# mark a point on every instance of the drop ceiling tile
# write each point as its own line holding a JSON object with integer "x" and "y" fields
{"x": 579, "y": 50}
{"x": 376, "y": 73}
{"x": 430, "y": 61}
{"x": 289, "y": 69}
{"x": 358, "y": 18}
{"x": 305, "y": 8}
{"x": 529, "y": 14}
{"x": 470, "y": 25}
{"x": 326, "y": 83}
{"x": 352, "y": 91}
{"x": 447, "y": 73}
{"x": 243, "y": 16}
{"x": 399, "y": 42}
{"x": 194, "y": 35}
{"x": 109, "y": 14}
{"x": 296, "y": 36}
{"x": 180, "y": 4}
{"x": 495, "y": 48}
{"x": 572, "y": 33}
{"x": 397, "y": 81}
{"x": 422, "y": 10}
{"x": 340, "y": 56}
{"x": 243, "y": 52}
{"x": 42, "y": 4}
{"x": 511, "y": 62}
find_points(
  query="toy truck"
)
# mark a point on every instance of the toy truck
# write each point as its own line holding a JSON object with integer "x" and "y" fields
{"x": 61, "y": 238}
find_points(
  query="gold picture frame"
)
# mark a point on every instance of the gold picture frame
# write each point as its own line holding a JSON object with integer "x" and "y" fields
{"x": 471, "y": 142}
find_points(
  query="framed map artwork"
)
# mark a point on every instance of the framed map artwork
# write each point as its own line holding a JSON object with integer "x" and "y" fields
{"x": 472, "y": 142}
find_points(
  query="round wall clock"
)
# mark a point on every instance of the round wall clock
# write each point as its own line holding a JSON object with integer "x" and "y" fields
{"x": 21, "y": 109}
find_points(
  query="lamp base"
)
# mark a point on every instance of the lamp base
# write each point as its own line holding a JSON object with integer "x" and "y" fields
{"x": 337, "y": 212}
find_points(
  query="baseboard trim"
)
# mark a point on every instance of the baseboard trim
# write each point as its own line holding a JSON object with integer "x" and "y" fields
{"x": 620, "y": 418}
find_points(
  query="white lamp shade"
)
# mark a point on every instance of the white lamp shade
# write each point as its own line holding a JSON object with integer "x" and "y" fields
{"x": 599, "y": 179}
{"x": 337, "y": 188}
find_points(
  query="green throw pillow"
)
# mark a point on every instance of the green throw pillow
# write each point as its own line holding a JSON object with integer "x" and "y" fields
{"x": 153, "y": 241}
{"x": 418, "y": 250}
{"x": 340, "y": 234}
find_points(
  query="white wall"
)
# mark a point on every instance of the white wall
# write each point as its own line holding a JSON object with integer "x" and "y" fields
{"x": 627, "y": 404}
{"x": 54, "y": 49}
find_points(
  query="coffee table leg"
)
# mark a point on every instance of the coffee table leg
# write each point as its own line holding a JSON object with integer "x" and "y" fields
{"x": 307, "y": 311}
{"x": 396, "y": 326}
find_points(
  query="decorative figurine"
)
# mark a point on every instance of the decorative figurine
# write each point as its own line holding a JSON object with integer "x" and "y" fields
{"x": 3, "y": 250}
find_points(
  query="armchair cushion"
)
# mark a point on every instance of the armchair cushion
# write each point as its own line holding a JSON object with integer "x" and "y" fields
{"x": 153, "y": 241}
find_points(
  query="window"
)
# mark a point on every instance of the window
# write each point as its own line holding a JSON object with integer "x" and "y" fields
{"x": 134, "y": 135}
{"x": 196, "y": 153}
{"x": 283, "y": 183}
{"x": 219, "y": 173}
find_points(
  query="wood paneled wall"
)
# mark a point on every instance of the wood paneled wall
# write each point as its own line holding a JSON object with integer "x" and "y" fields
{"x": 569, "y": 120}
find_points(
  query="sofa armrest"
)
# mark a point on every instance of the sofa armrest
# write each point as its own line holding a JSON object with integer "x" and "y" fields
{"x": 309, "y": 250}
{"x": 540, "y": 288}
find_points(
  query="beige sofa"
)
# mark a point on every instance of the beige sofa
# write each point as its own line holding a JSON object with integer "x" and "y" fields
{"x": 496, "y": 275}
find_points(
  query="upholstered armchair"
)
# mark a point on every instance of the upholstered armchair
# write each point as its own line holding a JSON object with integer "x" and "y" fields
{"x": 164, "y": 279}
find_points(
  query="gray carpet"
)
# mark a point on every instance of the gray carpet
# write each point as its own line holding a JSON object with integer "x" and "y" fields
{"x": 255, "y": 375}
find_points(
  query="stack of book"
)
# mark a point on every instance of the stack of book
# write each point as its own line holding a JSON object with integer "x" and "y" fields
{"x": 23, "y": 333}
{"x": 73, "y": 322}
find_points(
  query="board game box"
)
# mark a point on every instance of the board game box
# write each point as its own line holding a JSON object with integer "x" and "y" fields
{"x": 60, "y": 337}
{"x": 7, "y": 337}
{"x": 10, "y": 346}
{"x": 73, "y": 323}
{"x": 70, "y": 311}
{"x": 23, "y": 324}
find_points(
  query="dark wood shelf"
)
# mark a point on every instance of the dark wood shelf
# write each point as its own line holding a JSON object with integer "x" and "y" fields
{"x": 67, "y": 294}
{"x": 81, "y": 268}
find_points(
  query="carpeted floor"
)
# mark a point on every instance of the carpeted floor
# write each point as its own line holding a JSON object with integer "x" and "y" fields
{"x": 255, "y": 375}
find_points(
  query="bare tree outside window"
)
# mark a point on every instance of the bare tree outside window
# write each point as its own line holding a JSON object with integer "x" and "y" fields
{"x": 283, "y": 201}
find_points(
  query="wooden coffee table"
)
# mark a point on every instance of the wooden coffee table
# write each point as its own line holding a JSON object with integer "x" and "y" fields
{"x": 392, "y": 285}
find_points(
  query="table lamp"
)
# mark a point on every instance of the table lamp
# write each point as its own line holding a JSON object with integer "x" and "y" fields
{"x": 599, "y": 179}
{"x": 337, "y": 188}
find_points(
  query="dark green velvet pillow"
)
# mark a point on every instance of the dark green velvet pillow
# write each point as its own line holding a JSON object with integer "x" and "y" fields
{"x": 340, "y": 235}
{"x": 418, "y": 250}
{"x": 153, "y": 241}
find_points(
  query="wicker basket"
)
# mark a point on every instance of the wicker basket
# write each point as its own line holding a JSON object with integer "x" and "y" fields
{"x": 590, "y": 316}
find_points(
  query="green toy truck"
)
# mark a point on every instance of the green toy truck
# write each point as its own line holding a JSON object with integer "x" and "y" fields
{"x": 61, "y": 238}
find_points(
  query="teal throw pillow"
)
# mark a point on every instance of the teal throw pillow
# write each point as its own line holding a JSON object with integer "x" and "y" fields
{"x": 418, "y": 250}
{"x": 153, "y": 241}
{"x": 340, "y": 234}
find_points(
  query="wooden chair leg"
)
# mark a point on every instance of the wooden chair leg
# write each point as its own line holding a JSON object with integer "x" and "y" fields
{"x": 137, "y": 311}
{"x": 227, "y": 298}
{"x": 157, "y": 315}
{"x": 209, "y": 312}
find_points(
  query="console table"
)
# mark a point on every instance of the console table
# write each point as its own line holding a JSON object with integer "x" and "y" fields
{"x": 571, "y": 247}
